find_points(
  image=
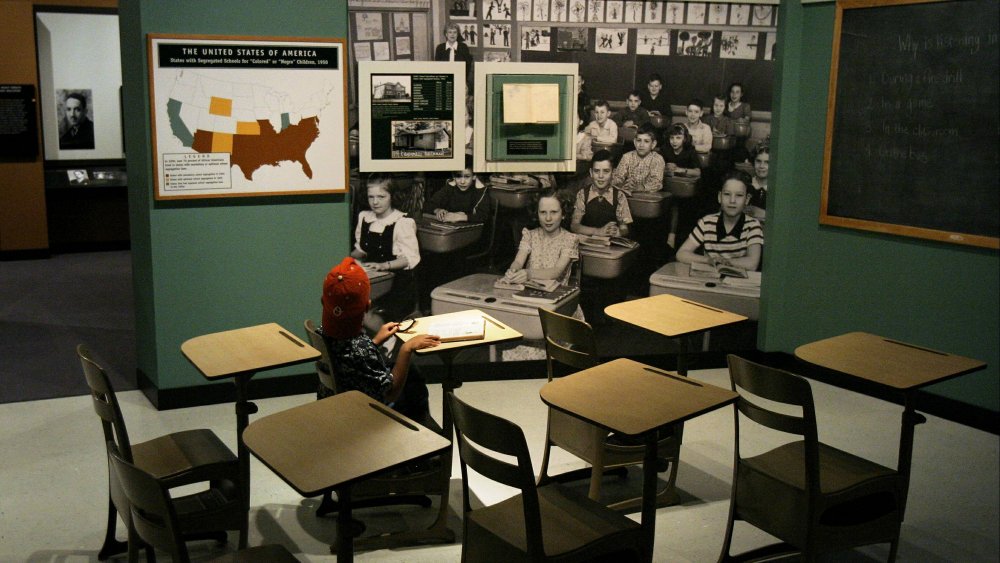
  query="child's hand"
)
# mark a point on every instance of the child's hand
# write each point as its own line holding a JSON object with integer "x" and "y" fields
{"x": 516, "y": 276}
{"x": 421, "y": 341}
{"x": 440, "y": 214}
{"x": 386, "y": 331}
{"x": 610, "y": 230}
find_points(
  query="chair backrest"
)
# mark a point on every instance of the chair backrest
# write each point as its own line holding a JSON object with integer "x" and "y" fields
{"x": 153, "y": 515}
{"x": 568, "y": 341}
{"x": 778, "y": 386}
{"x": 324, "y": 369}
{"x": 477, "y": 431}
{"x": 105, "y": 403}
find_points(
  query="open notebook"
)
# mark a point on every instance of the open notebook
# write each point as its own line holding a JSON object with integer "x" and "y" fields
{"x": 471, "y": 328}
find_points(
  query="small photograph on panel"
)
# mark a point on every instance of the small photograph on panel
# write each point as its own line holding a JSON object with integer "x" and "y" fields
{"x": 422, "y": 138}
{"x": 595, "y": 11}
{"x": 695, "y": 43}
{"x": 496, "y": 35}
{"x": 571, "y": 39}
{"x": 652, "y": 41}
{"x": 536, "y": 38}
{"x": 391, "y": 87}
{"x": 76, "y": 124}
{"x": 611, "y": 40}
{"x": 496, "y": 9}
{"x": 77, "y": 177}
{"x": 462, "y": 9}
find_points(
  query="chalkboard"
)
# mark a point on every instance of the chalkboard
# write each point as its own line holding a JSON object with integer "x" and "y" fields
{"x": 912, "y": 123}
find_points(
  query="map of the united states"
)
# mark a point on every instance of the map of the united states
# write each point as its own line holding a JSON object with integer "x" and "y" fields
{"x": 252, "y": 123}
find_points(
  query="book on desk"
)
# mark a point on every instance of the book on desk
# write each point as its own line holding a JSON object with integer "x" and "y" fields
{"x": 535, "y": 291}
{"x": 718, "y": 271}
{"x": 473, "y": 328}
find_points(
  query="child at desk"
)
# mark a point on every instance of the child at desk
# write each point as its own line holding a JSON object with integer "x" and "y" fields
{"x": 634, "y": 115}
{"x": 386, "y": 240}
{"x": 641, "y": 170}
{"x": 358, "y": 362}
{"x": 546, "y": 252}
{"x": 463, "y": 198}
{"x": 679, "y": 155}
{"x": 758, "y": 185}
{"x": 720, "y": 123}
{"x": 601, "y": 209}
{"x": 729, "y": 237}
{"x": 602, "y": 130}
{"x": 738, "y": 110}
{"x": 701, "y": 133}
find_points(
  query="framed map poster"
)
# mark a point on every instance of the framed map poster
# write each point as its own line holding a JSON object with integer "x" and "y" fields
{"x": 247, "y": 116}
{"x": 412, "y": 116}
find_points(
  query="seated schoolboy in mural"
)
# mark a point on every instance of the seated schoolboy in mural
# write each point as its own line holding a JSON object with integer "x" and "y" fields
{"x": 641, "y": 170}
{"x": 600, "y": 208}
{"x": 701, "y": 133}
{"x": 729, "y": 237}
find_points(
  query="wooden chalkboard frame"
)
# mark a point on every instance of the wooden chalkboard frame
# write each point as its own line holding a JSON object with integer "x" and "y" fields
{"x": 826, "y": 217}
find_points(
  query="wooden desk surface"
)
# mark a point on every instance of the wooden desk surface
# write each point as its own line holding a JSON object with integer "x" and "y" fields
{"x": 885, "y": 361}
{"x": 324, "y": 444}
{"x": 496, "y": 331}
{"x": 243, "y": 350}
{"x": 625, "y": 396}
{"x": 670, "y": 315}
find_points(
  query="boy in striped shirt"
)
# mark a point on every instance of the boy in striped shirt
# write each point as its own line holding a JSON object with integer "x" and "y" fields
{"x": 729, "y": 237}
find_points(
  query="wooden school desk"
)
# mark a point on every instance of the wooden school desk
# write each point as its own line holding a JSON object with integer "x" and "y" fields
{"x": 634, "y": 399}
{"x": 673, "y": 317}
{"x": 892, "y": 365}
{"x": 240, "y": 354}
{"x": 495, "y": 333}
{"x": 740, "y": 296}
{"x": 331, "y": 444}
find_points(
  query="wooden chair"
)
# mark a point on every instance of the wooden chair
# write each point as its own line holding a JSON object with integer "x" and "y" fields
{"x": 386, "y": 489}
{"x": 811, "y": 496}
{"x": 176, "y": 459}
{"x": 542, "y": 523}
{"x": 157, "y": 519}
{"x": 571, "y": 342}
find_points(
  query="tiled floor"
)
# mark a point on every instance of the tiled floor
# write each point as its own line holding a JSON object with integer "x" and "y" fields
{"x": 53, "y": 479}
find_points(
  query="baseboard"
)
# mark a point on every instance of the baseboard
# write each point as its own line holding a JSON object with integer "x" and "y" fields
{"x": 29, "y": 254}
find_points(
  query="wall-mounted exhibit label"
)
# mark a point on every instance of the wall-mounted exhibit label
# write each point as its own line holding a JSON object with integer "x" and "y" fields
{"x": 247, "y": 117}
{"x": 18, "y": 127}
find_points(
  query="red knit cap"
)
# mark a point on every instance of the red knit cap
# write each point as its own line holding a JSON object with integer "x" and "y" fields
{"x": 345, "y": 299}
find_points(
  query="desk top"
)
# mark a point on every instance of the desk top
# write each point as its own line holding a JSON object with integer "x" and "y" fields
{"x": 884, "y": 361}
{"x": 632, "y": 398}
{"x": 496, "y": 331}
{"x": 670, "y": 315}
{"x": 324, "y": 444}
{"x": 246, "y": 350}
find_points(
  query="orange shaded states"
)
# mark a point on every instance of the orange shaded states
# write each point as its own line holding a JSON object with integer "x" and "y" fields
{"x": 269, "y": 147}
{"x": 220, "y": 106}
{"x": 247, "y": 128}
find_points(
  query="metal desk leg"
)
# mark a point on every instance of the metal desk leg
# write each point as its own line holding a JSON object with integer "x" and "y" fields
{"x": 911, "y": 418}
{"x": 244, "y": 408}
{"x": 649, "y": 494}
{"x": 682, "y": 360}
{"x": 345, "y": 531}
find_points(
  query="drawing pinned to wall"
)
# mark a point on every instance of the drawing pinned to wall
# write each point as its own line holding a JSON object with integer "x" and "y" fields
{"x": 363, "y": 51}
{"x": 401, "y": 23}
{"x": 470, "y": 33}
{"x": 380, "y": 51}
{"x": 696, "y": 13}
{"x": 770, "y": 44}
{"x": 739, "y": 45}
{"x": 496, "y": 9}
{"x": 403, "y": 45}
{"x": 462, "y": 9}
{"x": 762, "y": 14}
{"x": 541, "y": 13}
{"x": 674, "y": 12}
{"x": 695, "y": 43}
{"x": 496, "y": 35}
{"x": 536, "y": 38}
{"x": 633, "y": 11}
{"x": 614, "y": 11}
{"x": 571, "y": 39}
{"x": 496, "y": 56}
{"x": 651, "y": 41}
{"x": 369, "y": 26}
{"x": 595, "y": 11}
{"x": 611, "y": 40}
{"x": 654, "y": 12}
{"x": 718, "y": 14}
{"x": 577, "y": 11}
{"x": 739, "y": 14}
{"x": 523, "y": 10}
{"x": 560, "y": 10}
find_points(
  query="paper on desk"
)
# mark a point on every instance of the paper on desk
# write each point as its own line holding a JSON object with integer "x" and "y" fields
{"x": 531, "y": 103}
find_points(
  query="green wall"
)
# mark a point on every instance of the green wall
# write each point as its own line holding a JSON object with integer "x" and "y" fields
{"x": 822, "y": 281}
{"x": 208, "y": 265}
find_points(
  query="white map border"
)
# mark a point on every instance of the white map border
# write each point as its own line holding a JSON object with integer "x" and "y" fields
{"x": 327, "y": 156}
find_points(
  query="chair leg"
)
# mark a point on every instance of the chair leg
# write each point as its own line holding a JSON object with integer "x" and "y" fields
{"x": 543, "y": 475}
{"x": 111, "y": 545}
{"x": 893, "y": 548}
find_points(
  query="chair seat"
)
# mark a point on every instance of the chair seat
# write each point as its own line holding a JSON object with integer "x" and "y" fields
{"x": 260, "y": 554}
{"x": 570, "y": 521}
{"x": 175, "y": 456}
{"x": 839, "y": 470}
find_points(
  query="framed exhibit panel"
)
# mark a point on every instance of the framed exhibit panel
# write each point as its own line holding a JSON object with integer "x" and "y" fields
{"x": 247, "y": 116}
{"x": 412, "y": 116}
{"x": 79, "y": 80}
{"x": 528, "y": 120}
